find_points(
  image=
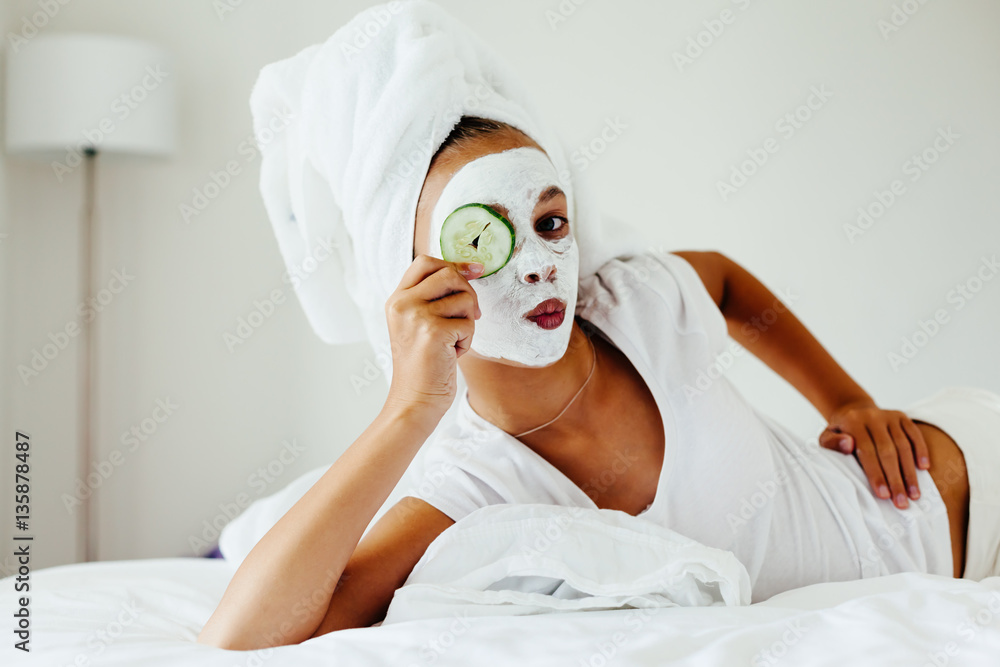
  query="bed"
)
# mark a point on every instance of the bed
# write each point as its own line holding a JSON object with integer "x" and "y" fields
{"x": 600, "y": 588}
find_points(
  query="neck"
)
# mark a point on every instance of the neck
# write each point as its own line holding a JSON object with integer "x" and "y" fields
{"x": 519, "y": 398}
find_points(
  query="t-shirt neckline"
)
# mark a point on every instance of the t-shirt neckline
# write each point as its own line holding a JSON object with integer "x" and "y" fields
{"x": 643, "y": 370}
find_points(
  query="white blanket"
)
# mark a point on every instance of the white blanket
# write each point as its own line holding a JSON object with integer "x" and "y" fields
{"x": 536, "y": 559}
{"x": 149, "y": 612}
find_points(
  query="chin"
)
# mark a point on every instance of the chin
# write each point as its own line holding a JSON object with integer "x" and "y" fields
{"x": 518, "y": 364}
{"x": 524, "y": 346}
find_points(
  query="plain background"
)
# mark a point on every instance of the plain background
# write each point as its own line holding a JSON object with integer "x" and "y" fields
{"x": 686, "y": 128}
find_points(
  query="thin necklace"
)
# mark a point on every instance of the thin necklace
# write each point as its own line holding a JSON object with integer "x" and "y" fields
{"x": 592, "y": 367}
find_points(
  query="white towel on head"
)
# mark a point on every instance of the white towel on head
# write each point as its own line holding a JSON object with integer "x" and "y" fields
{"x": 347, "y": 129}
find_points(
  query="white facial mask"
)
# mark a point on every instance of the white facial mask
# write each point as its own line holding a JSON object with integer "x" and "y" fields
{"x": 515, "y": 179}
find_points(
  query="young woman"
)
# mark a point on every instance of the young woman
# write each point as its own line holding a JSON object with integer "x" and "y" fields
{"x": 595, "y": 403}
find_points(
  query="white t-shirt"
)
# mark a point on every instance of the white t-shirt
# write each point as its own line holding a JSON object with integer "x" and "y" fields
{"x": 793, "y": 513}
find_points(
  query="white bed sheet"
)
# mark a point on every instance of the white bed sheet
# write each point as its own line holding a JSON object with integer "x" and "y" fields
{"x": 904, "y": 619}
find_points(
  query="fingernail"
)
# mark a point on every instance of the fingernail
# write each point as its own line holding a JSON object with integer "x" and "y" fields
{"x": 845, "y": 445}
{"x": 925, "y": 462}
{"x": 901, "y": 501}
{"x": 914, "y": 492}
{"x": 475, "y": 267}
{"x": 883, "y": 491}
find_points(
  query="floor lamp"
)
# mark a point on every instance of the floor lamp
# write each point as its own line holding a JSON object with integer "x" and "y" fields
{"x": 69, "y": 98}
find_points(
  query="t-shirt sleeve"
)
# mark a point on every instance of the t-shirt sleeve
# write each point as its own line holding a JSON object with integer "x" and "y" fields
{"x": 698, "y": 309}
{"x": 653, "y": 290}
{"x": 443, "y": 482}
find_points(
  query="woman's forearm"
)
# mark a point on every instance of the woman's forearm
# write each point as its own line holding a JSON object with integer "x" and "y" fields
{"x": 281, "y": 591}
{"x": 761, "y": 323}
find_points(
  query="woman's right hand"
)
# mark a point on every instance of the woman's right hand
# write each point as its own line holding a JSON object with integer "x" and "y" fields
{"x": 431, "y": 317}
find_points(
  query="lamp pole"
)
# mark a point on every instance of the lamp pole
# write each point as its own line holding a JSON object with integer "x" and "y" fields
{"x": 54, "y": 90}
{"x": 87, "y": 356}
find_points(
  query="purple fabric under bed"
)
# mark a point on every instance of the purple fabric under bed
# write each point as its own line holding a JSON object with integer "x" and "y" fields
{"x": 214, "y": 553}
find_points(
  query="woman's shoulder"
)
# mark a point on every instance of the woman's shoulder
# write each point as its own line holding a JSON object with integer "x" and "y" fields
{"x": 653, "y": 267}
{"x": 655, "y": 287}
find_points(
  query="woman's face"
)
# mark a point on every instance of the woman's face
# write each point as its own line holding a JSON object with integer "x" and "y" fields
{"x": 515, "y": 177}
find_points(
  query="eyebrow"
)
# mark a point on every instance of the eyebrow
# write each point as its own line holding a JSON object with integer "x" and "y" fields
{"x": 551, "y": 193}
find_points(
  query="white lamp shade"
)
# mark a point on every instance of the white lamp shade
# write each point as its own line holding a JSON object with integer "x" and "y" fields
{"x": 69, "y": 92}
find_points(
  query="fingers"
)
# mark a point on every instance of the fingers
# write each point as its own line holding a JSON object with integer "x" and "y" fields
{"x": 917, "y": 438}
{"x": 889, "y": 456}
{"x": 443, "y": 284}
{"x": 869, "y": 460}
{"x": 459, "y": 304}
{"x": 436, "y": 279}
{"x": 833, "y": 438}
{"x": 889, "y": 447}
{"x": 463, "y": 340}
{"x": 907, "y": 463}
{"x": 425, "y": 265}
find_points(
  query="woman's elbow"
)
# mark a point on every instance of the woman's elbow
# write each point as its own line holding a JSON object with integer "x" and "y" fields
{"x": 234, "y": 641}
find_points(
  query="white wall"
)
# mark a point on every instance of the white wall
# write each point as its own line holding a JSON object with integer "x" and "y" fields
{"x": 163, "y": 336}
{"x": 6, "y": 490}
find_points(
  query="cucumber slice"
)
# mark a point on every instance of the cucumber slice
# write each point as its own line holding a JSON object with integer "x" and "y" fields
{"x": 477, "y": 233}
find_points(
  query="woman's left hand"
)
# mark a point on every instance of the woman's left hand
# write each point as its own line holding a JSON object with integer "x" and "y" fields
{"x": 888, "y": 445}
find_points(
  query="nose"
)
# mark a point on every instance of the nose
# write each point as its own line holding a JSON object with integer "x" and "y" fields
{"x": 538, "y": 267}
{"x": 535, "y": 263}
{"x": 546, "y": 273}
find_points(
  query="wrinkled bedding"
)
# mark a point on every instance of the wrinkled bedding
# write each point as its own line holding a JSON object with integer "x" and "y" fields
{"x": 523, "y": 584}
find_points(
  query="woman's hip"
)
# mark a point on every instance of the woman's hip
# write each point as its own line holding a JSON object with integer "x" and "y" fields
{"x": 971, "y": 418}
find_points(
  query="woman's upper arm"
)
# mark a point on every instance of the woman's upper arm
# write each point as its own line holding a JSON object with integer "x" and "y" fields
{"x": 381, "y": 563}
{"x": 712, "y": 267}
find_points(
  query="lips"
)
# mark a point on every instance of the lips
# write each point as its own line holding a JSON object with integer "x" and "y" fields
{"x": 547, "y": 307}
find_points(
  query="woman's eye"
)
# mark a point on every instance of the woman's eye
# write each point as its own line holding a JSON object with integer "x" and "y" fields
{"x": 553, "y": 223}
